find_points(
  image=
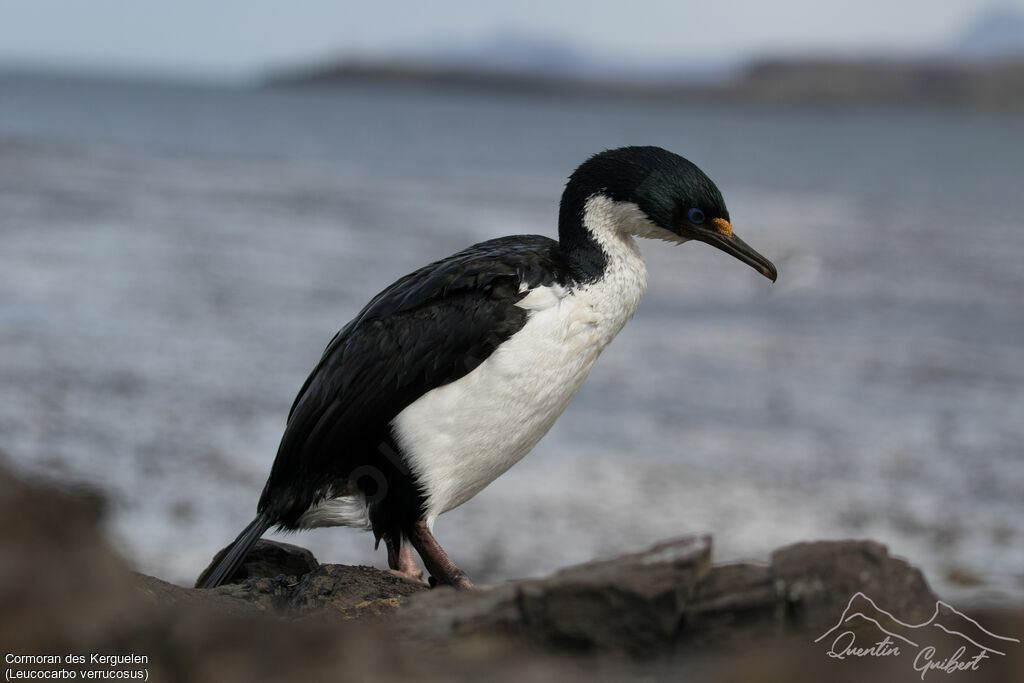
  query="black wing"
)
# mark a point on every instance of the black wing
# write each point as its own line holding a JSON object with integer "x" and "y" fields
{"x": 427, "y": 329}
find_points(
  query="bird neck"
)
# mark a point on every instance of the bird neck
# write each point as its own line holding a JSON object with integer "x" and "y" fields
{"x": 610, "y": 296}
{"x": 596, "y": 235}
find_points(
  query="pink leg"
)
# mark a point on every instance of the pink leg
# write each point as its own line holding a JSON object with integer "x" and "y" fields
{"x": 440, "y": 566}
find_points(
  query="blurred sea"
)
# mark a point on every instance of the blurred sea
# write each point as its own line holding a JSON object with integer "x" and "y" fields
{"x": 174, "y": 258}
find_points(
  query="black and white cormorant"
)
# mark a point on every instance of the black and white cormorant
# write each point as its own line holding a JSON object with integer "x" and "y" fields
{"x": 453, "y": 373}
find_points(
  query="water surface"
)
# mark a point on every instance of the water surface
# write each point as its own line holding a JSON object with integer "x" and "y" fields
{"x": 175, "y": 258}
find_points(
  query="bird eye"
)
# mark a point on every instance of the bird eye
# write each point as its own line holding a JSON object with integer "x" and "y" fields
{"x": 696, "y": 216}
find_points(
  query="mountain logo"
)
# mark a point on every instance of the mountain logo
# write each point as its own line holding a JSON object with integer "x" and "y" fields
{"x": 949, "y": 641}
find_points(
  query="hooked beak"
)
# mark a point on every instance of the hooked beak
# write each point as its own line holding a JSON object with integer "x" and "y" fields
{"x": 720, "y": 235}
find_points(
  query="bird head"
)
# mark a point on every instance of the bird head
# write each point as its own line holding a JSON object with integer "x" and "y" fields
{"x": 658, "y": 195}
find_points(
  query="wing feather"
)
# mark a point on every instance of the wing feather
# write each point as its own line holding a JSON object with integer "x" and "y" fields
{"x": 429, "y": 328}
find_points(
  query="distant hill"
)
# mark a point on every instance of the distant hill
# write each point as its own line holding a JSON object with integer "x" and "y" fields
{"x": 996, "y": 85}
{"x": 523, "y": 54}
{"x": 516, "y": 57}
{"x": 509, "y": 52}
{"x": 933, "y": 82}
{"x": 996, "y": 34}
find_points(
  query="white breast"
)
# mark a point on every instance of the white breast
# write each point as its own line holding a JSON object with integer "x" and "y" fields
{"x": 459, "y": 438}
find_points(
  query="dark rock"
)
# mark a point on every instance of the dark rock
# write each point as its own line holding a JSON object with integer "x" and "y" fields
{"x": 334, "y": 589}
{"x": 670, "y": 598}
{"x": 162, "y": 594}
{"x": 266, "y": 595}
{"x": 667, "y": 599}
{"x": 352, "y": 591}
{"x": 63, "y": 590}
{"x": 56, "y": 563}
{"x": 734, "y": 602}
{"x": 631, "y": 604}
{"x": 820, "y": 578}
{"x": 668, "y": 610}
{"x": 287, "y": 579}
{"x": 269, "y": 559}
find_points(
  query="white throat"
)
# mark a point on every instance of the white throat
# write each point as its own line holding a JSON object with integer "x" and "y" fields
{"x": 609, "y": 220}
{"x": 616, "y": 294}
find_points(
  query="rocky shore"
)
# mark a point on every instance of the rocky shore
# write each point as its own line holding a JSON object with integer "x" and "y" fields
{"x": 668, "y": 613}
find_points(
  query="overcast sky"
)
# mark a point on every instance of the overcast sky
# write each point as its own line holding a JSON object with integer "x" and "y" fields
{"x": 231, "y": 38}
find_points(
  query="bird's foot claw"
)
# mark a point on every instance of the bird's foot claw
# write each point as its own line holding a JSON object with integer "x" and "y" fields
{"x": 411, "y": 575}
{"x": 458, "y": 581}
{"x": 462, "y": 583}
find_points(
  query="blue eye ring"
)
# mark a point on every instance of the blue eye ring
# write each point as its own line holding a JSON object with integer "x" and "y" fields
{"x": 696, "y": 216}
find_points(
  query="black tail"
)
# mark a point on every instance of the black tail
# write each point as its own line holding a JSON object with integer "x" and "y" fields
{"x": 230, "y": 560}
